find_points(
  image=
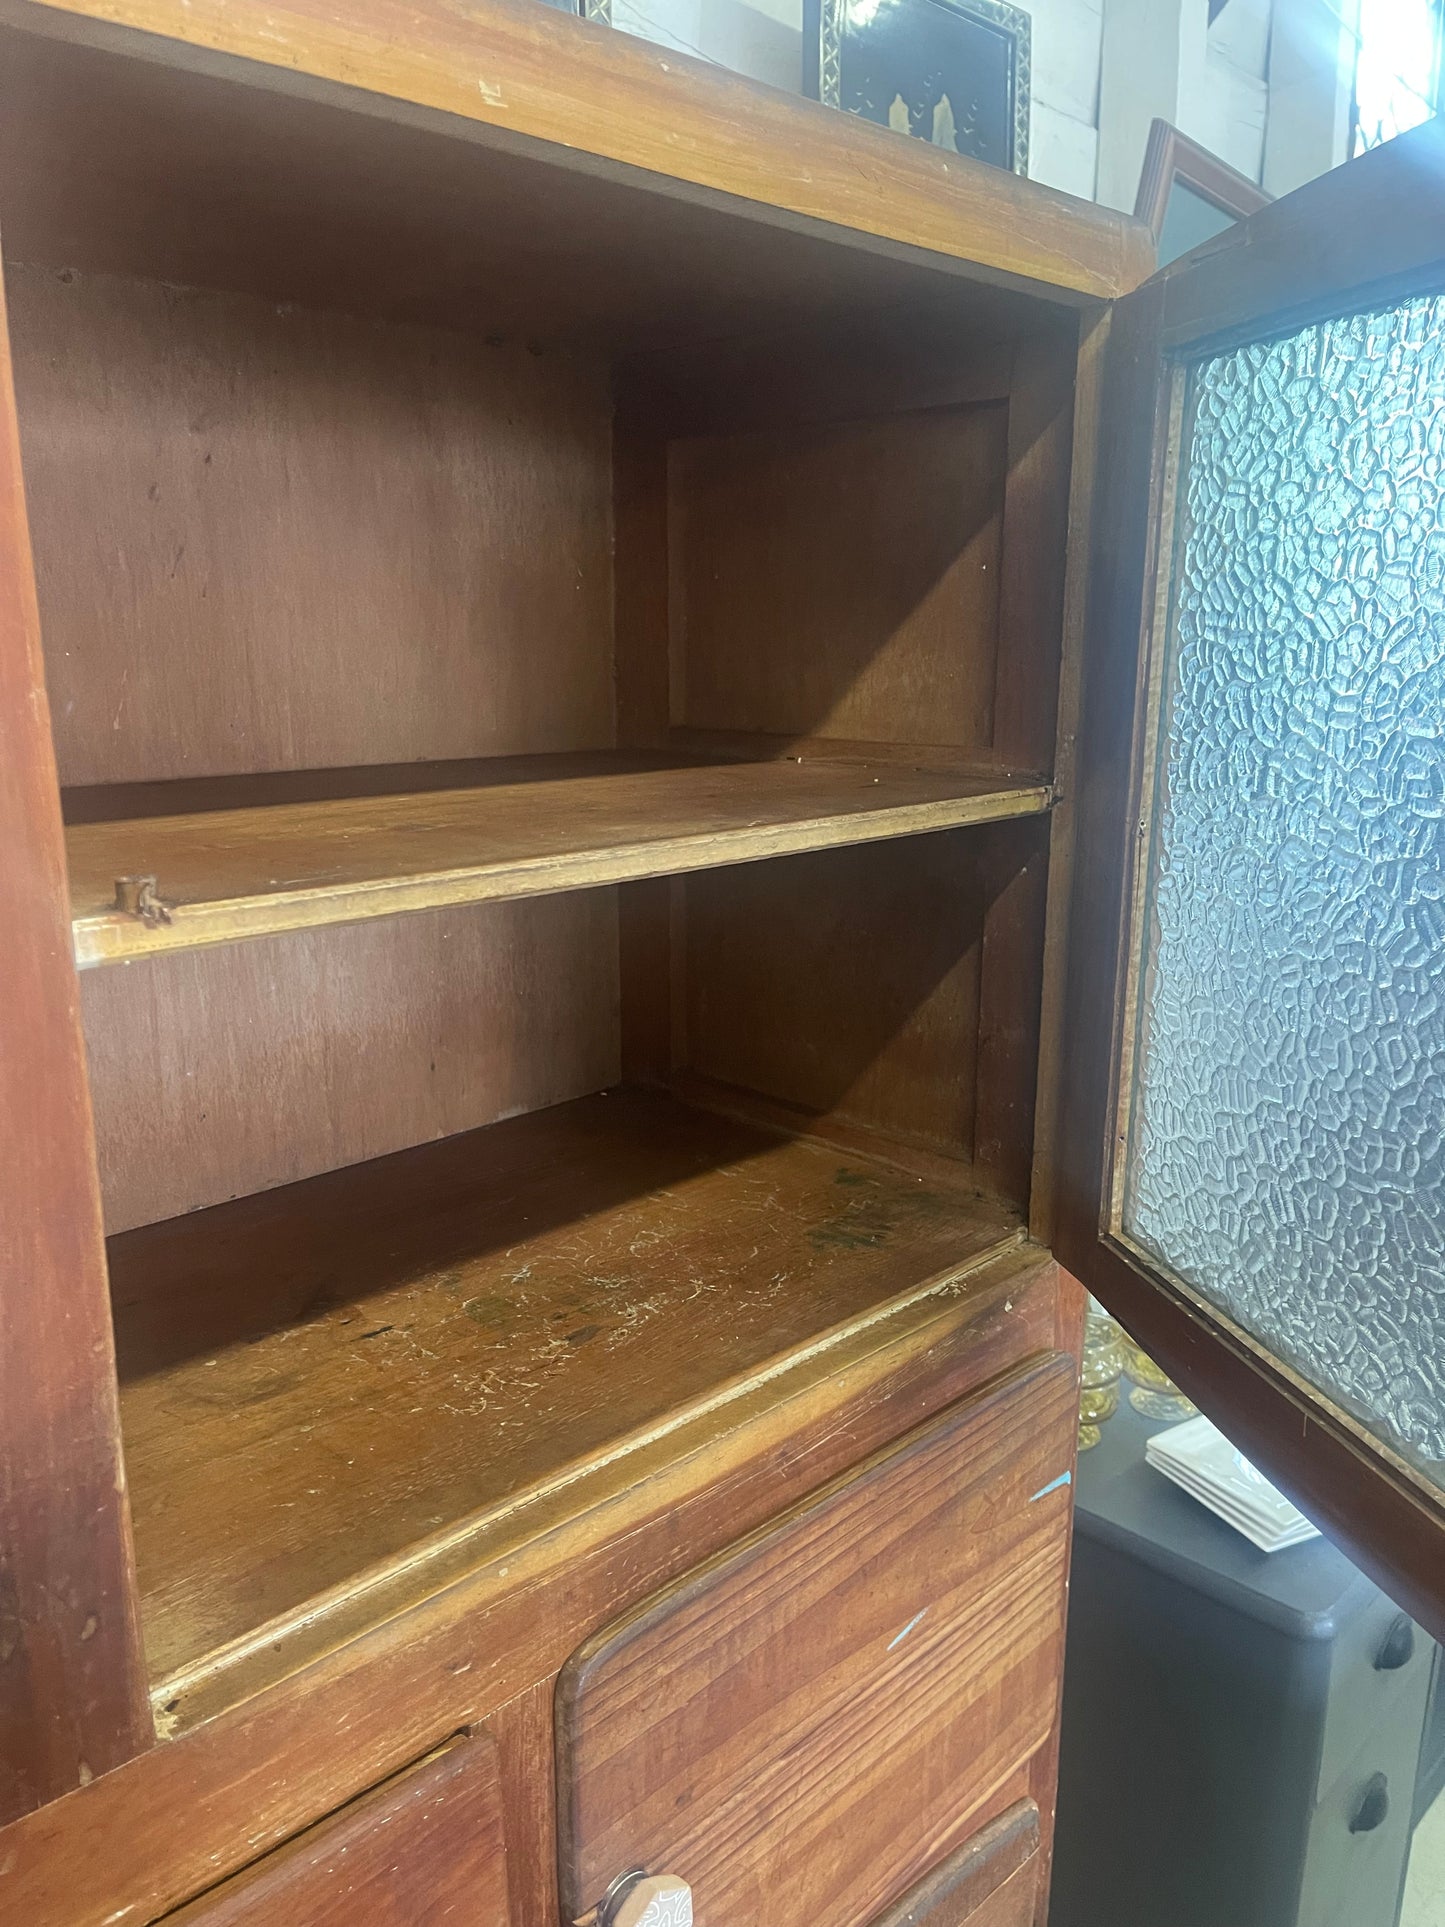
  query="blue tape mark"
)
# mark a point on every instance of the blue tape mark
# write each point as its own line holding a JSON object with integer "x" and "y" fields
{"x": 899, "y": 1638}
{"x": 1064, "y": 1478}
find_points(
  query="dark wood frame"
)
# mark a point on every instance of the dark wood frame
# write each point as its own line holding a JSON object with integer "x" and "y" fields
{"x": 72, "y": 1682}
{"x": 1340, "y": 243}
{"x": 1172, "y": 156}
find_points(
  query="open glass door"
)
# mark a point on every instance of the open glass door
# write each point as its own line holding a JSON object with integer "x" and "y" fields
{"x": 1252, "y": 1170}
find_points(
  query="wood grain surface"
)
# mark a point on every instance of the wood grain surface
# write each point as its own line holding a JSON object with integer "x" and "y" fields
{"x": 72, "y": 1700}
{"x": 845, "y": 984}
{"x": 561, "y": 98}
{"x": 425, "y": 1850}
{"x": 991, "y": 1881}
{"x": 363, "y": 1041}
{"x": 532, "y": 827}
{"x": 276, "y": 539}
{"x": 801, "y": 1728}
{"x": 283, "y": 1733}
{"x": 331, "y": 1376}
{"x": 841, "y": 579}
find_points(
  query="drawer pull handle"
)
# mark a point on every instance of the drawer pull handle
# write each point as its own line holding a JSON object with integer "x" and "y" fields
{"x": 1397, "y": 1648}
{"x": 640, "y": 1899}
{"x": 1372, "y": 1805}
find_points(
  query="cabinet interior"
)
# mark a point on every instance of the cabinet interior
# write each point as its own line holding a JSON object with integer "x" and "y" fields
{"x": 581, "y": 668}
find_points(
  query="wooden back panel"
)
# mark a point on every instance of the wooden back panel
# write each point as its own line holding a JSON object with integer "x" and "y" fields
{"x": 275, "y": 538}
{"x": 425, "y": 1850}
{"x": 802, "y": 1727}
{"x": 342, "y": 1044}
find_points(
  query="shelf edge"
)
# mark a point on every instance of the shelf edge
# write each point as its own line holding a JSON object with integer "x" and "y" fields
{"x": 117, "y": 937}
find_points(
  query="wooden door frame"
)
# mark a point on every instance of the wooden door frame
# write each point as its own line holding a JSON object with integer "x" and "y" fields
{"x": 73, "y": 1699}
{"x": 1349, "y": 238}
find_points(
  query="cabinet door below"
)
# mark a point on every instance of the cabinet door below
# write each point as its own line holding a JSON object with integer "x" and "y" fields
{"x": 423, "y": 1849}
{"x": 992, "y": 1881}
{"x": 806, "y": 1727}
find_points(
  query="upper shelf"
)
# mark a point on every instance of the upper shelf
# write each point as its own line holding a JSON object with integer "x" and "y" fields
{"x": 499, "y": 165}
{"x": 290, "y": 859}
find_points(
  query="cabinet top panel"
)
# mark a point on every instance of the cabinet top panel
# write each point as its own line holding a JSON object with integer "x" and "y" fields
{"x": 444, "y": 159}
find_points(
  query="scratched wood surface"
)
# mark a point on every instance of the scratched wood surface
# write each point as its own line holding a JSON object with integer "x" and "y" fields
{"x": 426, "y": 1850}
{"x": 991, "y": 1881}
{"x": 804, "y": 1726}
{"x": 317, "y": 1379}
{"x": 285, "y": 1735}
{"x": 530, "y": 827}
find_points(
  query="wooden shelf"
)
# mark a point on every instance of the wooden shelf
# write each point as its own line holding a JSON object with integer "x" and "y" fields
{"x": 521, "y": 827}
{"x": 348, "y": 1376}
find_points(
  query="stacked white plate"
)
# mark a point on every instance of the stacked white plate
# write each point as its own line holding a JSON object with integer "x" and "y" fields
{"x": 1201, "y": 1459}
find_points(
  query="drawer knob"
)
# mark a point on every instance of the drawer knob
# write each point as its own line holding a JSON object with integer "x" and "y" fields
{"x": 1397, "y": 1648}
{"x": 1372, "y": 1805}
{"x": 639, "y": 1899}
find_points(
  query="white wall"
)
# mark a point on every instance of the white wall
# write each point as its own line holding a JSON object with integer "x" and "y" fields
{"x": 1262, "y": 87}
{"x": 764, "y": 39}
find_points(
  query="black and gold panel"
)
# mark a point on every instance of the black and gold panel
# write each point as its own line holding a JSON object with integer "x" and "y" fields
{"x": 953, "y": 72}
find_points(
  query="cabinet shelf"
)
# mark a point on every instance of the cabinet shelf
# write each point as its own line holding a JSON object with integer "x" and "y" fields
{"x": 356, "y": 1374}
{"x": 251, "y": 857}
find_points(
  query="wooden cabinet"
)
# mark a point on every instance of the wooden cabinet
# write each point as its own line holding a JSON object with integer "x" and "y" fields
{"x": 800, "y": 1728}
{"x": 549, "y": 1037}
{"x": 424, "y": 1849}
{"x": 991, "y": 1881}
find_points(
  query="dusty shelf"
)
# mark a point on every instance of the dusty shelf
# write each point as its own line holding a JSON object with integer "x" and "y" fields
{"x": 521, "y": 827}
{"x": 321, "y": 1381}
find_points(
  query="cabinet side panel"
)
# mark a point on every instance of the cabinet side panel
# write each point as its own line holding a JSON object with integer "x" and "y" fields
{"x": 894, "y": 986}
{"x": 841, "y": 579}
{"x": 272, "y": 538}
{"x": 72, "y": 1700}
{"x": 845, "y": 984}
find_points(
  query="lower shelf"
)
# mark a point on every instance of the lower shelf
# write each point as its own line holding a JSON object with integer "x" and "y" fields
{"x": 318, "y": 1380}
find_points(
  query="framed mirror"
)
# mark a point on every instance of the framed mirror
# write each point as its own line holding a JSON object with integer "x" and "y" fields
{"x": 1188, "y": 195}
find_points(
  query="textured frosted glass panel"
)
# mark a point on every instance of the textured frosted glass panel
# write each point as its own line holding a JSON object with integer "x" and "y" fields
{"x": 1285, "y": 1137}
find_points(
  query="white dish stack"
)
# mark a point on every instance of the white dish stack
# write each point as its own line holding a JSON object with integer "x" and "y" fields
{"x": 1198, "y": 1457}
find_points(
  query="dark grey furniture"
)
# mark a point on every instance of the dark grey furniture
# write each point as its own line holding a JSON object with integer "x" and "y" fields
{"x": 1241, "y": 1730}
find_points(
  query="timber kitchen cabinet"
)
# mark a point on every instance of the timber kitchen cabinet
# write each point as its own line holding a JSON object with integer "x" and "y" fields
{"x": 594, "y": 885}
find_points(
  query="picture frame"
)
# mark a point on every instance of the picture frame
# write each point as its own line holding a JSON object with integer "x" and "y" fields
{"x": 957, "y": 73}
{"x": 1188, "y": 195}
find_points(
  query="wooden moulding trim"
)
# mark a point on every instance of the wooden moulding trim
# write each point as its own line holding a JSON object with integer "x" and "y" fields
{"x": 537, "y": 1523}
{"x": 117, "y": 936}
{"x": 606, "y": 102}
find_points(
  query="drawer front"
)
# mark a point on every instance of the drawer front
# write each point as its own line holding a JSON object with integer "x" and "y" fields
{"x": 801, "y": 1728}
{"x": 992, "y": 1881}
{"x": 1380, "y": 1669}
{"x": 424, "y": 1849}
{"x": 1359, "y": 1839}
